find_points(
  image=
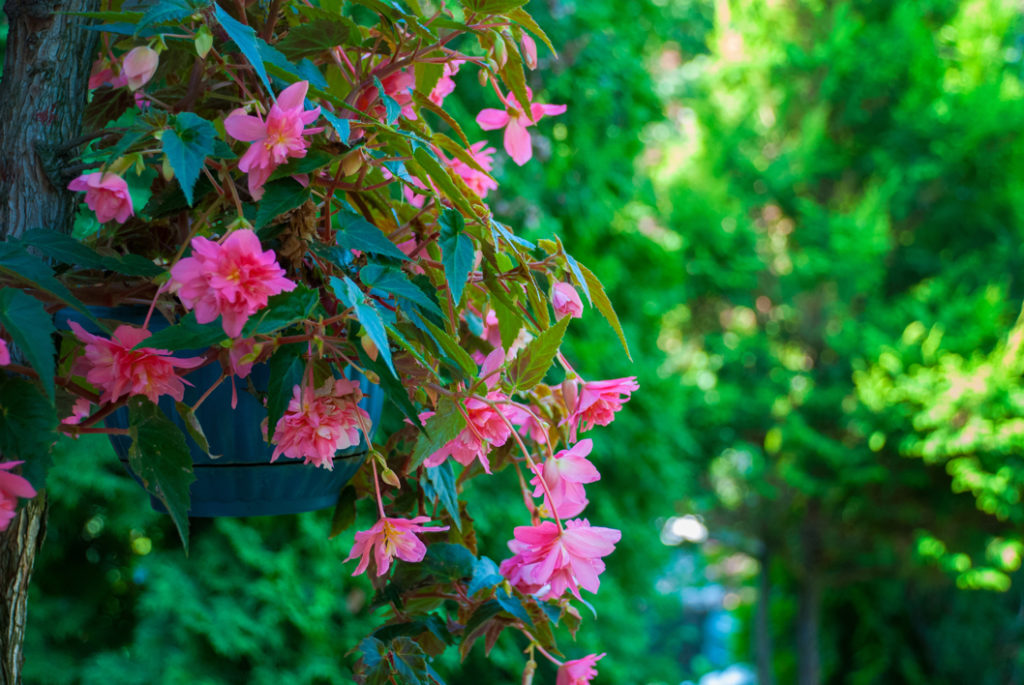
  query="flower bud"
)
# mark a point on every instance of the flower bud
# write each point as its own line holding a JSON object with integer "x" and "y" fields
{"x": 391, "y": 478}
{"x": 566, "y": 301}
{"x": 139, "y": 65}
{"x": 529, "y": 51}
{"x": 351, "y": 163}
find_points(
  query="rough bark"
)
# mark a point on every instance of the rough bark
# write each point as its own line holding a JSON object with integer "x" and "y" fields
{"x": 42, "y": 98}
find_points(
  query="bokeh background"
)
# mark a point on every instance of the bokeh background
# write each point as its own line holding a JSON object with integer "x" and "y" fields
{"x": 810, "y": 216}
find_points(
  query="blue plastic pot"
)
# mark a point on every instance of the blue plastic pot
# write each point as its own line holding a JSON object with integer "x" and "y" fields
{"x": 242, "y": 481}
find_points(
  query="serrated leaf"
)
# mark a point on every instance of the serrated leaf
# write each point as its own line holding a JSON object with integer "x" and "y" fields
{"x": 428, "y": 74}
{"x": 313, "y": 160}
{"x": 371, "y": 320}
{"x": 457, "y": 253}
{"x": 31, "y": 328}
{"x": 439, "y": 430}
{"x": 279, "y": 197}
{"x": 165, "y": 11}
{"x": 194, "y": 428}
{"x": 160, "y": 458}
{"x": 344, "y": 512}
{"x": 500, "y": 6}
{"x": 323, "y": 32}
{"x": 393, "y": 280}
{"x": 356, "y": 233}
{"x": 530, "y": 365}
{"x": 283, "y": 310}
{"x": 17, "y": 264}
{"x": 28, "y": 422}
{"x": 600, "y": 300}
{"x": 577, "y": 275}
{"x": 439, "y": 176}
{"x": 513, "y": 75}
{"x": 485, "y": 575}
{"x": 428, "y": 104}
{"x": 452, "y": 349}
{"x": 286, "y": 370}
{"x": 442, "y": 479}
{"x": 449, "y": 561}
{"x": 513, "y": 606}
{"x": 187, "y": 334}
{"x": 245, "y": 38}
{"x": 67, "y": 250}
{"x": 521, "y": 17}
{"x": 187, "y": 145}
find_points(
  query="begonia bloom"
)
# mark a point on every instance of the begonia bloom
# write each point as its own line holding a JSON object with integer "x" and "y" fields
{"x": 233, "y": 279}
{"x": 515, "y": 121}
{"x": 578, "y": 671}
{"x": 445, "y": 85}
{"x": 598, "y": 401}
{"x": 275, "y": 140}
{"x": 12, "y": 486}
{"x": 106, "y": 194}
{"x": 566, "y": 301}
{"x": 398, "y": 87}
{"x": 319, "y": 423}
{"x": 480, "y": 183}
{"x": 139, "y": 65}
{"x": 390, "y": 538}
{"x": 119, "y": 370}
{"x": 5, "y": 354}
{"x": 548, "y": 561}
{"x": 79, "y": 410}
{"x": 564, "y": 476}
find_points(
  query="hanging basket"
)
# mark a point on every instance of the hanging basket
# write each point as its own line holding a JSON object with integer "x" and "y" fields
{"x": 242, "y": 481}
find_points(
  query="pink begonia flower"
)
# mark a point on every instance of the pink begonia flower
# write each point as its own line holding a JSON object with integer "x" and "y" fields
{"x": 5, "y": 354}
{"x": 547, "y": 562}
{"x": 485, "y": 426}
{"x": 101, "y": 73}
{"x": 478, "y": 182}
{"x": 319, "y": 423}
{"x": 445, "y": 85}
{"x": 597, "y": 403}
{"x": 233, "y": 279}
{"x": 12, "y": 486}
{"x": 397, "y": 86}
{"x": 529, "y": 51}
{"x": 528, "y": 425}
{"x": 117, "y": 369}
{"x": 390, "y": 538}
{"x": 578, "y": 671}
{"x": 277, "y": 138}
{"x": 106, "y": 194}
{"x": 515, "y": 121}
{"x": 566, "y": 301}
{"x": 79, "y": 410}
{"x": 139, "y": 65}
{"x": 565, "y": 475}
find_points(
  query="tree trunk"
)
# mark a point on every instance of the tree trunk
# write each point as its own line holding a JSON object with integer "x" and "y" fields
{"x": 762, "y": 620}
{"x": 809, "y": 602}
{"x": 42, "y": 98}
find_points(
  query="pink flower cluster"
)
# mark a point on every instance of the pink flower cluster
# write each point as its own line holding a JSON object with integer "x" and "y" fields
{"x": 485, "y": 426}
{"x": 106, "y": 194}
{"x": 480, "y": 183}
{"x": 277, "y": 138}
{"x": 390, "y": 538}
{"x": 12, "y": 486}
{"x": 548, "y": 561}
{"x": 119, "y": 370}
{"x": 515, "y": 120}
{"x": 564, "y": 475}
{"x": 319, "y": 423}
{"x": 233, "y": 279}
{"x": 596, "y": 402}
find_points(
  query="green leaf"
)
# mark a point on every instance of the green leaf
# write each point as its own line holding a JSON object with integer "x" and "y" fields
{"x": 32, "y": 330}
{"x": 314, "y": 159}
{"x": 286, "y": 369}
{"x": 391, "y": 108}
{"x": 485, "y": 575}
{"x": 512, "y": 73}
{"x": 356, "y": 233}
{"x": 192, "y": 425}
{"x": 428, "y": 74}
{"x": 457, "y": 253}
{"x": 442, "y": 480}
{"x": 393, "y": 280}
{"x": 163, "y": 12}
{"x": 323, "y": 32}
{"x": 440, "y": 176}
{"x": 604, "y": 305}
{"x": 530, "y": 365}
{"x": 452, "y": 348}
{"x": 513, "y": 606}
{"x": 449, "y": 561}
{"x": 428, "y": 104}
{"x": 520, "y": 16}
{"x": 160, "y": 458}
{"x": 344, "y": 512}
{"x": 283, "y": 310}
{"x": 187, "y": 334}
{"x": 67, "y": 250}
{"x": 440, "y": 429}
{"x": 370, "y": 318}
{"x": 187, "y": 145}
{"x": 279, "y": 197}
{"x": 245, "y": 38}
{"x": 16, "y": 263}
{"x": 28, "y": 422}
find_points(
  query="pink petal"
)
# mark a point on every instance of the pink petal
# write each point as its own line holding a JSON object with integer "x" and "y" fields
{"x": 245, "y": 127}
{"x": 492, "y": 119}
{"x": 517, "y": 142}
{"x": 294, "y": 96}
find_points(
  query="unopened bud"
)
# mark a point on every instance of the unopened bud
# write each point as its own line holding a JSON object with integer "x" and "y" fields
{"x": 500, "y": 53}
{"x": 570, "y": 394}
{"x": 391, "y": 478}
{"x": 529, "y": 51}
{"x": 352, "y": 162}
{"x": 369, "y": 347}
{"x": 166, "y": 170}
